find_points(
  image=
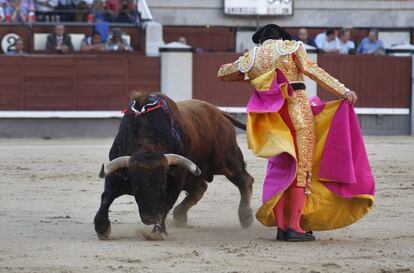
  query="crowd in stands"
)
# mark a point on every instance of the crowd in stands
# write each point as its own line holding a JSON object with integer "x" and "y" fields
{"x": 29, "y": 11}
{"x": 339, "y": 41}
{"x": 60, "y": 42}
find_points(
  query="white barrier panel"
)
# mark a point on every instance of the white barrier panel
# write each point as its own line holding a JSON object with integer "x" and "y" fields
{"x": 119, "y": 114}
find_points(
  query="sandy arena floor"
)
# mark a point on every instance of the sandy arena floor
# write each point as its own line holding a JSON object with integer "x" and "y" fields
{"x": 50, "y": 192}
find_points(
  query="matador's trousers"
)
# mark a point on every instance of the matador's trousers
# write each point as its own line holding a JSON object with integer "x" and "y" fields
{"x": 303, "y": 122}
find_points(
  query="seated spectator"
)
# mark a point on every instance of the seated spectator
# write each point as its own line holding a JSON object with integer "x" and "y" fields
{"x": 59, "y": 41}
{"x": 66, "y": 10}
{"x": 182, "y": 40}
{"x": 45, "y": 10}
{"x": 2, "y": 17}
{"x": 126, "y": 14}
{"x": 345, "y": 44}
{"x": 93, "y": 43}
{"x": 83, "y": 9}
{"x": 113, "y": 7}
{"x": 19, "y": 49}
{"x": 371, "y": 44}
{"x": 99, "y": 12}
{"x": 15, "y": 12}
{"x": 303, "y": 36}
{"x": 117, "y": 43}
{"x": 319, "y": 38}
{"x": 327, "y": 41}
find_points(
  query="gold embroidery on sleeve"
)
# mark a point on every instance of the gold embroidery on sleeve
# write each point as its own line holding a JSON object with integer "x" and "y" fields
{"x": 230, "y": 72}
{"x": 319, "y": 75}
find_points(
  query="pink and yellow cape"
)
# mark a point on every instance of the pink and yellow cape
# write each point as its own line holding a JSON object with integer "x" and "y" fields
{"x": 342, "y": 183}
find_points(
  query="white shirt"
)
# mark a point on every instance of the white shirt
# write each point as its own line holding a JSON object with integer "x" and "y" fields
{"x": 346, "y": 47}
{"x": 329, "y": 46}
{"x": 1, "y": 13}
{"x": 325, "y": 45}
{"x": 45, "y": 6}
{"x": 319, "y": 39}
{"x": 59, "y": 40}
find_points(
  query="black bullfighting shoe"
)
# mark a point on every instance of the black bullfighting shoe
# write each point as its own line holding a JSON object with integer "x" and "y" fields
{"x": 281, "y": 235}
{"x": 295, "y": 236}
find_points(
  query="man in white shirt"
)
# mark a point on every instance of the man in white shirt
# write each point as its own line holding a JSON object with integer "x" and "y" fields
{"x": 327, "y": 41}
{"x": 2, "y": 17}
{"x": 346, "y": 45}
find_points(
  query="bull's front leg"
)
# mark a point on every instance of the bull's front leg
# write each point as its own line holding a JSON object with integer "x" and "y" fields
{"x": 115, "y": 186}
{"x": 158, "y": 233}
{"x": 101, "y": 221}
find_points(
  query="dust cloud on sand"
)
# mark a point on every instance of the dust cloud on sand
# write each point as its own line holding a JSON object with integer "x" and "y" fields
{"x": 50, "y": 191}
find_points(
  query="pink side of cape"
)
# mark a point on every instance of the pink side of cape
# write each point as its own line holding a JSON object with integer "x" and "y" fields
{"x": 344, "y": 159}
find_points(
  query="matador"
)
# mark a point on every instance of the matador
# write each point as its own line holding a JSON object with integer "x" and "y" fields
{"x": 298, "y": 136}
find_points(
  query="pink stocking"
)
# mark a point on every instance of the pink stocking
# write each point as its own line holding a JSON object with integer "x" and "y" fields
{"x": 297, "y": 200}
{"x": 279, "y": 211}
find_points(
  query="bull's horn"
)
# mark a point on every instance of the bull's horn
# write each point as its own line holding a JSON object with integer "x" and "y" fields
{"x": 174, "y": 159}
{"x": 113, "y": 165}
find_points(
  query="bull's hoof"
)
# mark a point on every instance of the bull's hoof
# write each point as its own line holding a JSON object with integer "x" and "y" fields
{"x": 155, "y": 236}
{"x": 102, "y": 227}
{"x": 246, "y": 217}
{"x": 180, "y": 217}
{"x": 104, "y": 235}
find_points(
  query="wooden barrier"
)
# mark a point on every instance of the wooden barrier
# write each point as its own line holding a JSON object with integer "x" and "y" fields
{"x": 206, "y": 85}
{"x": 208, "y": 39}
{"x": 75, "y": 82}
{"x": 380, "y": 81}
{"x": 104, "y": 81}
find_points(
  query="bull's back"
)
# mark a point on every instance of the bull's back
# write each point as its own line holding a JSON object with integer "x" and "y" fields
{"x": 208, "y": 129}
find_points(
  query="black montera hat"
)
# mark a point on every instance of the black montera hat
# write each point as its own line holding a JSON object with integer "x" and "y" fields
{"x": 258, "y": 35}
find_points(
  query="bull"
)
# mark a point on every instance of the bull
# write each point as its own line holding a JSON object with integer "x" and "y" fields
{"x": 163, "y": 148}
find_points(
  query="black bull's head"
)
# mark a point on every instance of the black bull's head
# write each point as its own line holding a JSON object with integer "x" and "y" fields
{"x": 147, "y": 173}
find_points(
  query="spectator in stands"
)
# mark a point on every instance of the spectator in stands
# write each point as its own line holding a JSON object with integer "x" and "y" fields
{"x": 66, "y": 10}
{"x": 126, "y": 13}
{"x": 182, "y": 40}
{"x": 93, "y": 43}
{"x": 371, "y": 44}
{"x": 345, "y": 43}
{"x": 45, "y": 10}
{"x": 99, "y": 12}
{"x": 117, "y": 43}
{"x": 303, "y": 36}
{"x": 83, "y": 9}
{"x": 113, "y": 7}
{"x": 327, "y": 41}
{"x": 15, "y": 12}
{"x": 59, "y": 41}
{"x": 19, "y": 48}
{"x": 2, "y": 17}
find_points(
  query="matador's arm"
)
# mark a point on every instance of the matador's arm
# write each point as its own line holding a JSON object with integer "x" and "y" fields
{"x": 313, "y": 71}
{"x": 231, "y": 72}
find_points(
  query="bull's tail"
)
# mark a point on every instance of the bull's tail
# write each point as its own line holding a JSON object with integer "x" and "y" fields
{"x": 235, "y": 122}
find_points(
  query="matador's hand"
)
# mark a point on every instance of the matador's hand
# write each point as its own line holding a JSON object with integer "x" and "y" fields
{"x": 351, "y": 97}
